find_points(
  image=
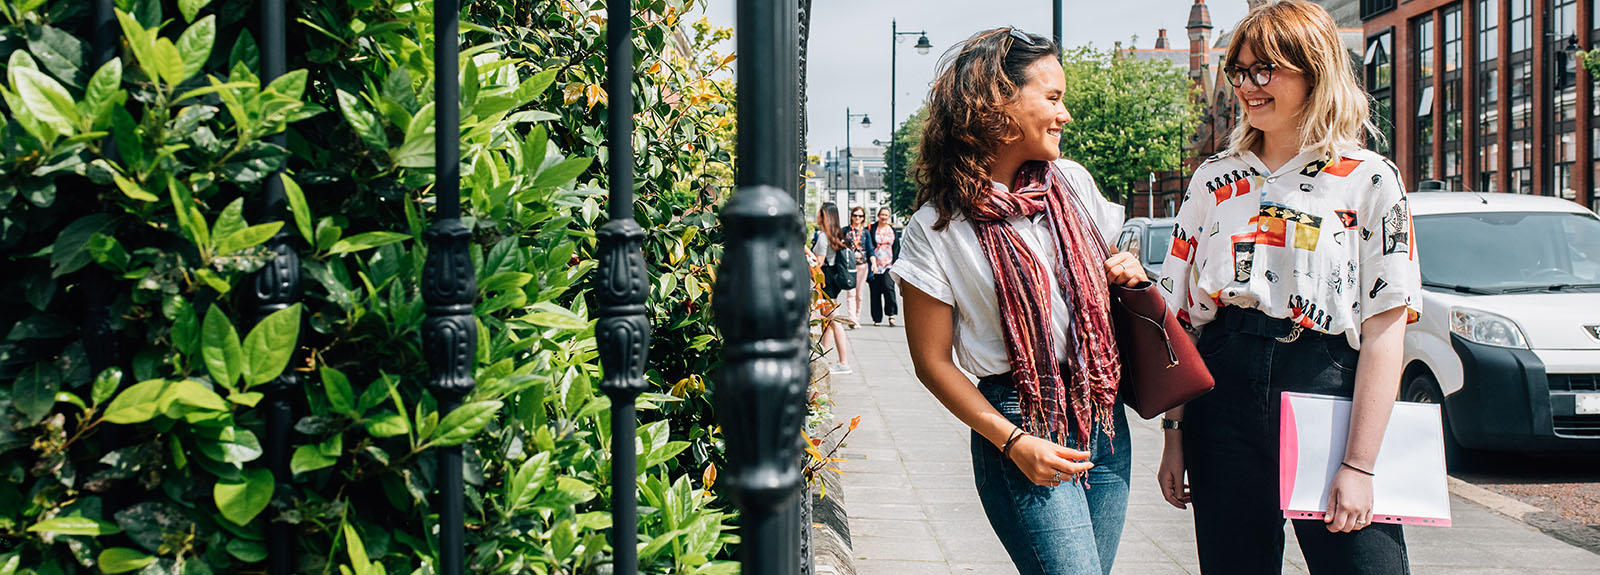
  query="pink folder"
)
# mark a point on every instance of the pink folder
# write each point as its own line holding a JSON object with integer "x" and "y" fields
{"x": 1409, "y": 486}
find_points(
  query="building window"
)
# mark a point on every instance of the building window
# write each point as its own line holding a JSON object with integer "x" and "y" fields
{"x": 1452, "y": 98}
{"x": 1521, "y": 96}
{"x": 1488, "y": 94}
{"x": 1379, "y": 77}
{"x": 1370, "y": 8}
{"x": 1422, "y": 151}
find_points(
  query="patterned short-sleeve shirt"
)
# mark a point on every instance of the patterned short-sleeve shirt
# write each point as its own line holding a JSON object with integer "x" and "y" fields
{"x": 1324, "y": 242}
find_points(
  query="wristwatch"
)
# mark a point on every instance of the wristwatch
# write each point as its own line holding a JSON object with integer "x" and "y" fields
{"x": 1170, "y": 424}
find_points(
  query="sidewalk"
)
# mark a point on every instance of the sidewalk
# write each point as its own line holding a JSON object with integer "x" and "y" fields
{"x": 913, "y": 508}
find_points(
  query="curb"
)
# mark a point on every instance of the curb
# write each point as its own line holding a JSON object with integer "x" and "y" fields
{"x": 830, "y": 528}
{"x": 1568, "y": 531}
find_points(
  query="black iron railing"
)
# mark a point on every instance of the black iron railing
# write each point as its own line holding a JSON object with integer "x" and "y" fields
{"x": 622, "y": 332}
{"x": 763, "y": 292}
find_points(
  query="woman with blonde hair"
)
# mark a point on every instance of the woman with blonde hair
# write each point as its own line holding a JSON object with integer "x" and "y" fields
{"x": 1291, "y": 259}
{"x": 1001, "y": 271}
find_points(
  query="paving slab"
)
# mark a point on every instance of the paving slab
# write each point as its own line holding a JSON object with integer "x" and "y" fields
{"x": 914, "y": 511}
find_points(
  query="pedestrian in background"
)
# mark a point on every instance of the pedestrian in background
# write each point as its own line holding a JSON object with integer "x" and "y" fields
{"x": 883, "y": 248}
{"x": 826, "y": 244}
{"x": 1001, "y": 272}
{"x": 1285, "y": 260}
{"x": 854, "y": 234}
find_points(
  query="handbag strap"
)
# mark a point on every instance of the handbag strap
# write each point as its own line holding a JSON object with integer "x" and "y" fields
{"x": 1083, "y": 212}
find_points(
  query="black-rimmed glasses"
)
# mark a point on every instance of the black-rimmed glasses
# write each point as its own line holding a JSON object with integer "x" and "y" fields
{"x": 1260, "y": 74}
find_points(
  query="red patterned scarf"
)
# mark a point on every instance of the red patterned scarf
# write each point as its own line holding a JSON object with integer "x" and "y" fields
{"x": 1024, "y": 295}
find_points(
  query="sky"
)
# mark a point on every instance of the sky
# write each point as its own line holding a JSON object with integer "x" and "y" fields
{"x": 849, "y": 52}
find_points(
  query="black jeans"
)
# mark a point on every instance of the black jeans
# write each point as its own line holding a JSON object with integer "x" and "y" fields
{"x": 1230, "y": 446}
{"x": 882, "y": 295}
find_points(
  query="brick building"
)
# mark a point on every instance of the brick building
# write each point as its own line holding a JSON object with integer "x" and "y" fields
{"x": 1469, "y": 92}
{"x": 1219, "y": 109}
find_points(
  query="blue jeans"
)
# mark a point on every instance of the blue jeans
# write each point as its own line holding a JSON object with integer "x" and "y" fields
{"x": 1067, "y": 529}
{"x": 1230, "y": 445}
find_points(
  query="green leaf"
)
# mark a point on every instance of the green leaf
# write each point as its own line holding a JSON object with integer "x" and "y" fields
{"x": 297, "y": 205}
{"x": 255, "y": 161}
{"x": 247, "y": 551}
{"x": 463, "y": 423}
{"x": 34, "y": 392}
{"x": 70, "y": 253}
{"x": 168, "y": 62}
{"x": 242, "y": 501}
{"x": 46, "y": 99}
{"x": 190, "y": 8}
{"x": 138, "y": 403}
{"x": 291, "y": 85}
{"x": 58, "y": 52}
{"x": 309, "y": 458}
{"x": 357, "y": 551}
{"x": 245, "y": 51}
{"x": 140, "y": 42}
{"x": 231, "y": 220}
{"x": 247, "y": 238}
{"x": 416, "y": 151}
{"x": 220, "y": 347}
{"x": 270, "y": 345}
{"x": 131, "y": 189}
{"x": 362, "y": 120}
{"x": 122, "y": 560}
{"x": 337, "y": 387}
{"x": 104, "y": 92}
{"x": 470, "y": 84}
{"x": 246, "y": 398}
{"x": 388, "y": 425}
{"x": 365, "y": 241}
{"x": 105, "y": 385}
{"x": 195, "y": 46}
{"x": 561, "y": 173}
{"x": 193, "y": 394}
{"x": 75, "y": 526}
{"x": 558, "y": 320}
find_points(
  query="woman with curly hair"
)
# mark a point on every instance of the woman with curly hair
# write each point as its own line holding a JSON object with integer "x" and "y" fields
{"x": 1002, "y": 275}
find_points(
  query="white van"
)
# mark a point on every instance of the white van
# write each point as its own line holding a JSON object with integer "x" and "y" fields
{"x": 1509, "y": 339}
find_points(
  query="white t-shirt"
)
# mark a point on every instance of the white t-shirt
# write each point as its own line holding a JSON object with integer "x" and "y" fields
{"x": 949, "y": 265}
{"x": 1326, "y": 244}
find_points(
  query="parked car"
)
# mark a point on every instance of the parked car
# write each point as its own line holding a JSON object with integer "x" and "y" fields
{"x": 1149, "y": 238}
{"x": 1509, "y": 338}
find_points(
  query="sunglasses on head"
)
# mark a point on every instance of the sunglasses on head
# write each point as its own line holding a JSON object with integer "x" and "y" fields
{"x": 1018, "y": 36}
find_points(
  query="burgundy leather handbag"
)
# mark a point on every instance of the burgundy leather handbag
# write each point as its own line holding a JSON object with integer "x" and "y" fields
{"x": 1160, "y": 367}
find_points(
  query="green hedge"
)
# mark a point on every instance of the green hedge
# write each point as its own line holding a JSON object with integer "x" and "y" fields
{"x": 165, "y": 228}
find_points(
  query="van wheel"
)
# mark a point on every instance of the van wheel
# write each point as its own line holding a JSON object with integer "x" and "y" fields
{"x": 1422, "y": 388}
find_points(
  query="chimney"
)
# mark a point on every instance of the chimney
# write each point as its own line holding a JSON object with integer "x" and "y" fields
{"x": 1199, "y": 39}
{"x": 1161, "y": 40}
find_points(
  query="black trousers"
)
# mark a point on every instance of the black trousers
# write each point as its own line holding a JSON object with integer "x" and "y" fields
{"x": 882, "y": 295}
{"x": 1230, "y": 446}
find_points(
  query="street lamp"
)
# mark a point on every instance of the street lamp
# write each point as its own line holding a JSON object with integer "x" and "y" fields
{"x": 848, "y": 165}
{"x": 923, "y": 45}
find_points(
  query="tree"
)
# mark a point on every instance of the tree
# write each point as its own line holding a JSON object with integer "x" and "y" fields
{"x": 902, "y": 156}
{"x": 1130, "y": 117}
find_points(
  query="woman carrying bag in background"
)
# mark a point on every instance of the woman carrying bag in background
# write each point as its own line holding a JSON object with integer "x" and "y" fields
{"x": 883, "y": 248}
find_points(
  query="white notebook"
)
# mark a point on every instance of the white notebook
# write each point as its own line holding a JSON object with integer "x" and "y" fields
{"x": 1409, "y": 486}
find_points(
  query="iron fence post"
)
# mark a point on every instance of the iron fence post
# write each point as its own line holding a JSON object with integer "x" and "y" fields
{"x": 762, "y": 294}
{"x": 274, "y": 287}
{"x": 449, "y": 284}
{"x": 623, "y": 331}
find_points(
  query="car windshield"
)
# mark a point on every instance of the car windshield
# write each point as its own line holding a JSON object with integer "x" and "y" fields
{"x": 1514, "y": 251}
{"x": 1160, "y": 242}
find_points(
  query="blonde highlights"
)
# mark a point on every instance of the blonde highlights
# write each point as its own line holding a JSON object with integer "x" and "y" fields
{"x": 1300, "y": 36}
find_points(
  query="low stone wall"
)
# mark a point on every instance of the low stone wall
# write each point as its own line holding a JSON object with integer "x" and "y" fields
{"x": 830, "y": 525}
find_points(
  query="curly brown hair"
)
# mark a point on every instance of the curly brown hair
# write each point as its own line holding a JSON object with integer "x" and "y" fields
{"x": 967, "y": 118}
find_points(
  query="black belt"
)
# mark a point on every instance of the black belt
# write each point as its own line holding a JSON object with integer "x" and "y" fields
{"x": 1258, "y": 323}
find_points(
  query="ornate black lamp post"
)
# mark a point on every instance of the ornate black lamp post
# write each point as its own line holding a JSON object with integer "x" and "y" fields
{"x": 623, "y": 332}
{"x": 923, "y": 45}
{"x": 762, "y": 294}
{"x": 449, "y": 284}
{"x": 849, "y": 158}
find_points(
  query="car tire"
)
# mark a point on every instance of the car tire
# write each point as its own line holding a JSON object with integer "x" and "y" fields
{"x": 1421, "y": 388}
